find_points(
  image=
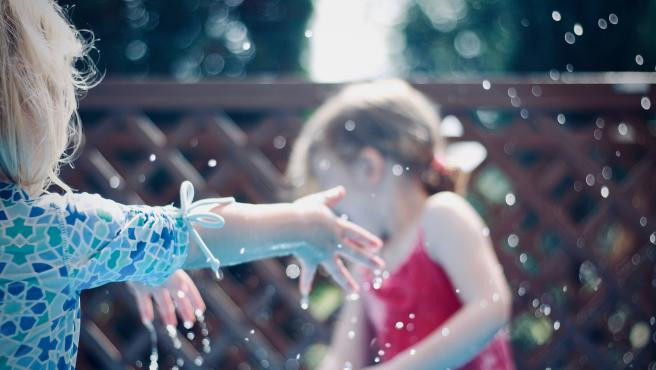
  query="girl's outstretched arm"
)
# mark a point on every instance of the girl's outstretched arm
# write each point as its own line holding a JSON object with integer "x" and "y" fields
{"x": 307, "y": 229}
{"x": 349, "y": 340}
{"x": 455, "y": 239}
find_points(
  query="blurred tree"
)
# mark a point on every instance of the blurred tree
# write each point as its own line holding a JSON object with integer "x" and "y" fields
{"x": 453, "y": 36}
{"x": 189, "y": 39}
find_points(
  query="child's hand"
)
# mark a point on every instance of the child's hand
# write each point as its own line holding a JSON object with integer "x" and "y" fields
{"x": 329, "y": 237}
{"x": 177, "y": 292}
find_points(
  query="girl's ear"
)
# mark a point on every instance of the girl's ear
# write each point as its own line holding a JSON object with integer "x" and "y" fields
{"x": 371, "y": 164}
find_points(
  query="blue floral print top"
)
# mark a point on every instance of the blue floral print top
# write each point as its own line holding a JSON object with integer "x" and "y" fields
{"x": 54, "y": 246}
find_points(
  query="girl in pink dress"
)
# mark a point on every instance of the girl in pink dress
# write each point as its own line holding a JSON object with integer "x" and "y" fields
{"x": 443, "y": 301}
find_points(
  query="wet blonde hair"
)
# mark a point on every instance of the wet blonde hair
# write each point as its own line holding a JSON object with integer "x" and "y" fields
{"x": 39, "y": 84}
{"x": 389, "y": 116}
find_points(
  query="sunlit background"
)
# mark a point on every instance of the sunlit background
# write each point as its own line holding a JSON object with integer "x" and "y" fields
{"x": 341, "y": 40}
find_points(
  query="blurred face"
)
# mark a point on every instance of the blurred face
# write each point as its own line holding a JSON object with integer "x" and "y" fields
{"x": 365, "y": 200}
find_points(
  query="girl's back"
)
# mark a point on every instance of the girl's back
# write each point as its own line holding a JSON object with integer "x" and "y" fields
{"x": 52, "y": 247}
{"x": 414, "y": 300}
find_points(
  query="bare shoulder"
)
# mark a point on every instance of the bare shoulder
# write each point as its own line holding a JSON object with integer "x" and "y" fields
{"x": 446, "y": 208}
{"x": 448, "y": 220}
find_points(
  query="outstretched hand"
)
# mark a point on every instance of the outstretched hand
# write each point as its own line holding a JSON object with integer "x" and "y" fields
{"x": 178, "y": 292}
{"x": 329, "y": 238}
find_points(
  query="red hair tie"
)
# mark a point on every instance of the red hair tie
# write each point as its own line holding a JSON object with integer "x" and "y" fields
{"x": 438, "y": 165}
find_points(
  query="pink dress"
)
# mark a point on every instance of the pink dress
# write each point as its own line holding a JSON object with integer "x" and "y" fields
{"x": 413, "y": 302}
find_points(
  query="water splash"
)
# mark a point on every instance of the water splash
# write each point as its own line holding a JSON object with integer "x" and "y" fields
{"x": 305, "y": 302}
{"x": 154, "y": 354}
{"x": 205, "y": 341}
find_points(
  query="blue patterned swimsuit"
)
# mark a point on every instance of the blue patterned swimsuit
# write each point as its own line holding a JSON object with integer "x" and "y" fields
{"x": 53, "y": 246}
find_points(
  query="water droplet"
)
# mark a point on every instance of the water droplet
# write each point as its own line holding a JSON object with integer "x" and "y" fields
{"x": 604, "y": 191}
{"x": 397, "y": 170}
{"x": 590, "y": 179}
{"x": 211, "y": 163}
{"x": 305, "y": 302}
{"x": 555, "y": 15}
{"x": 486, "y": 85}
{"x": 114, "y": 182}
{"x": 205, "y": 341}
{"x": 523, "y": 258}
{"x": 293, "y": 271}
{"x": 645, "y": 103}
{"x": 612, "y": 18}
{"x": 643, "y": 221}
{"x": 513, "y": 240}
{"x": 524, "y": 113}
{"x": 152, "y": 157}
{"x": 556, "y": 325}
{"x": 578, "y": 29}
{"x": 198, "y": 361}
{"x": 279, "y": 142}
{"x": 154, "y": 355}
{"x": 561, "y": 118}
{"x": 399, "y": 325}
{"x": 349, "y": 125}
{"x": 308, "y": 33}
{"x": 412, "y": 351}
{"x": 351, "y": 334}
{"x": 353, "y": 297}
{"x": 495, "y": 297}
{"x": 622, "y": 128}
{"x": 510, "y": 199}
{"x": 445, "y": 332}
{"x": 242, "y": 250}
{"x": 485, "y": 231}
{"x": 639, "y": 59}
{"x": 188, "y": 324}
{"x": 411, "y": 316}
{"x": 602, "y": 23}
{"x": 570, "y": 38}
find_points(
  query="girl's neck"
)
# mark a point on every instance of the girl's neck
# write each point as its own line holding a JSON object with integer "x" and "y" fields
{"x": 403, "y": 225}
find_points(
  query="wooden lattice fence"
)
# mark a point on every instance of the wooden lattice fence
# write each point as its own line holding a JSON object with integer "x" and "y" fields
{"x": 567, "y": 190}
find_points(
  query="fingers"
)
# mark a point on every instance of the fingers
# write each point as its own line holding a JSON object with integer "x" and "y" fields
{"x": 354, "y": 253}
{"x": 340, "y": 274}
{"x": 144, "y": 303}
{"x": 307, "y": 277}
{"x": 184, "y": 306}
{"x": 193, "y": 294}
{"x": 359, "y": 235}
{"x": 165, "y": 306}
{"x": 333, "y": 196}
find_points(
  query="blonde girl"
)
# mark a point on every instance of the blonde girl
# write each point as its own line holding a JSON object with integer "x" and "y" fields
{"x": 54, "y": 246}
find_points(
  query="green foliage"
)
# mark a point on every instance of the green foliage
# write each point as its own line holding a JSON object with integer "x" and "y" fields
{"x": 190, "y": 39}
{"x": 453, "y": 36}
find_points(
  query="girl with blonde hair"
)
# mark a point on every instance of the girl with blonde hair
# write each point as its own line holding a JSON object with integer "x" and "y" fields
{"x": 54, "y": 246}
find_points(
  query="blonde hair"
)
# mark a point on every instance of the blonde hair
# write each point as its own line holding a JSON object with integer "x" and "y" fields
{"x": 39, "y": 84}
{"x": 389, "y": 116}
